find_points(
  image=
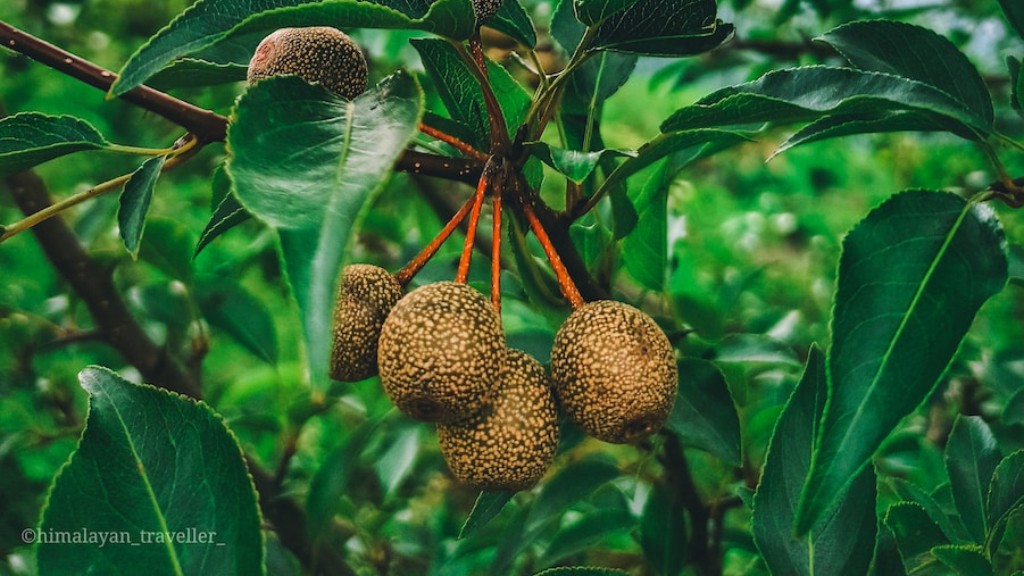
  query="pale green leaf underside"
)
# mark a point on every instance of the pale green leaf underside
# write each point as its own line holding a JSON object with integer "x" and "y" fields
{"x": 152, "y": 463}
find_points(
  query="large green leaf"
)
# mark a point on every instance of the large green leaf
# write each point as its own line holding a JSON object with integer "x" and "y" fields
{"x": 599, "y": 77}
{"x": 799, "y": 95}
{"x": 663, "y": 28}
{"x": 971, "y": 459}
{"x": 309, "y": 163}
{"x": 574, "y": 164}
{"x": 873, "y": 122}
{"x": 462, "y": 95}
{"x": 964, "y": 560}
{"x": 916, "y": 53}
{"x": 842, "y": 541}
{"x": 663, "y": 532}
{"x": 586, "y": 532}
{"x": 30, "y": 138}
{"x": 704, "y": 415}
{"x": 915, "y": 534}
{"x": 195, "y": 73}
{"x": 513, "y": 20}
{"x": 487, "y": 506}
{"x": 592, "y": 12}
{"x": 912, "y": 276}
{"x": 209, "y": 21}
{"x": 1005, "y": 496}
{"x": 1014, "y": 11}
{"x": 647, "y": 245}
{"x": 161, "y": 478}
{"x": 134, "y": 202}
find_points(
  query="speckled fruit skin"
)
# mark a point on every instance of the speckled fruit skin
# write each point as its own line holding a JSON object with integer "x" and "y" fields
{"x": 614, "y": 370}
{"x": 318, "y": 54}
{"x": 511, "y": 446}
{"x": 366, "y": 294}
{"x": 485, "y": 9}
{"x": 440, "y": 352}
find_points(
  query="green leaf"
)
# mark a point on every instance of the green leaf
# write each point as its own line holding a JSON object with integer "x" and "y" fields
{"x": 581, "y": 571}
{"x": 228, "y": 306}
{"x": 591, "y": 12}
{"x": 462, "y": 95}
{"x": 647, "y": 245}
{"x": 487, "y": 506}
{"x": 809, "y": 93}
{"x": 912, "y": 276}
{"x": 227, "y": 210}
{"x": 138, "y": 191}
{"x": 167, "y": 248}
{"x": 30, "y": 138}
{"x": 1017, "y": 264}
{"x": 573, "y": 164}
{"x": 964, "y": 560}
{"x": 704, "y": 415}
{"x": 971, "y": 459}
{"x": 663, "y": 532}
{"x": 586, "y": 532}
{"x": 860, "y": 123}
{"x": 1016, "y": 85}
{"x": 843, "y": 540}
{"x": 1014, "y": 12}
{"x": 513, "y": 20}
{"x": 916, "y": 53}
{"x": 196, "y": 73}
{"x": 1013, "y": 412}
{"x": 915, "y": 534}
{"x": 910, "y": 492}
{"x": 754, "y": 350}
{"x": 209, "y": 21}
{"x": 309, "y": 163}
{"x": 1005, "y": 495}
{"x": 330, "y": 483}
{"x": 162, "y": 478}
{"x": 572, "y": 484}
{"x": 592, "y": 242}
{"x": 663, "y": 28}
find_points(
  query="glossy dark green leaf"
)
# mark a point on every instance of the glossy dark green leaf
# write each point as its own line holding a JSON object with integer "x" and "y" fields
{"x": 228, "y": 306}
{"x": 461, "y": 93}
{"x": 167, "y": 248}
{"x": 309, "y": 163}
{"x": 513, "y": 20}
{"x": 954, "y": 530}
{"x": 663, "y": 532}
{"x": 1014, "y": 12}
{"x": 570, "y": 485}
{"x": 209, "y": 21}
{"x": 331, "y": 481}
{"x": 581, "y": 571}
{"x": 1016, "y": 255}
{"x": 916, "y": 53}
{"x": 592, "y": 242}
{"x": 227, "y": 210}
{"x": 30, "y": 138}
{"x": 971, "y": 458}
{"x": 807, "y": 94}
{"x": 1016, "y": 85}
{"x": 647, "y": 244}
{"x": 843, "y": 540}
{"x": 573, "y": 164}
{"x": 161, "y": 474}
{"x": 1005, "y": 496}
{"x": 860, "y": 123}
{"x": 1013, "y": 412}
{"x": 704, "y": 415}
{"x": 591, "y": 12}
{"x": 915, "y": 534}
{"x": 964, "y": 560}
{"x": 134, "y": 202}
{"x": 912, "y": 276}
{"x": 487, "y": 506}
{"x": 663, "y": 28}
{"x": 586, "y": 532}
{"x": 196, "y": 73}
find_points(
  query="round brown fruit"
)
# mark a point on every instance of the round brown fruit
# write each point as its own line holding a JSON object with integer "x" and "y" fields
{"x": 318, "y": 54}
{"x": 366, "y": 294}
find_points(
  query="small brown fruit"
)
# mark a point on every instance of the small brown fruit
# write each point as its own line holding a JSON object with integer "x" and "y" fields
{"x": 511, "y": 446}
{"x": 441, "y": 350}
{"x": 366, "y": 294}
{"x": 318, "y": 54}
{"x": 485, "y": 9}
{"x": 614, "y": 371}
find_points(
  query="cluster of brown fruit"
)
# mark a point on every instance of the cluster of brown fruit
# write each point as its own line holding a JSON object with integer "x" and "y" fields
{"x": 441, "y": 355}
{"x": 440, "y": 349}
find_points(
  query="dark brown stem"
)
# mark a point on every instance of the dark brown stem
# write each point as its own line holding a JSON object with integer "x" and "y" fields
{"x": 406, "y": 274}
{"x": 499, "y": 133}
{"x": 680, "y": 480}
{"x": 206, "y": 125}
{"x": 474, "y": 218}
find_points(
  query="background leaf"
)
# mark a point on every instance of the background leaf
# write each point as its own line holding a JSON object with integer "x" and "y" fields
{"x": 911, "y": 278}
{"x": 488, "y": 505}
{"x": 971, "y": 459}
{"x": 228, "y": 306}
{"x": 663, "y": 532}
{"x": 513, "y": 20}
{"x": 1005, "y": 495}
{"x": 915, "y": 534}
{"x": 964, "y": 560}
{"x": 152, "y": 461}
{"x": 308, "y": 164}
{"x": 704, "y": 415}
{"x": 842, "y": 542}
{"x": 135, "y": 199}
{"x": 227, "y": 210}
{"x": 29, "y": 138}
{"x": 1014, "y": 15}
{"x": 663, "y": 28}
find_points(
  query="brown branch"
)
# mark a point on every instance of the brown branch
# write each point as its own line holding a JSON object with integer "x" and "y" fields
{"x": 701, "y": 551}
